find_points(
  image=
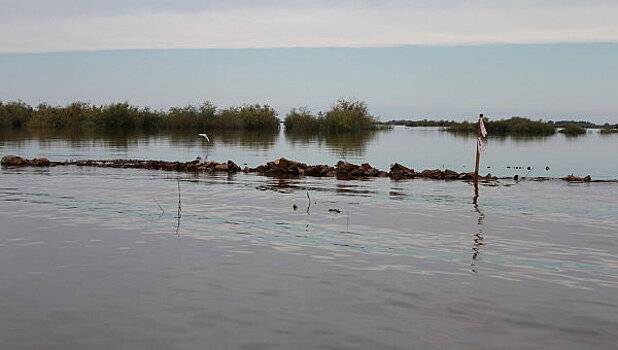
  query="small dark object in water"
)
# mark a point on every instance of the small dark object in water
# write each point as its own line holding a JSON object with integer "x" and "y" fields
{"x": 528, "y": 168}
{"x": 547, "y": 168}
{"x": 516, "y": 177}
{"x": 488, "y": 167}
{"x": 294, "y": 206}
{"x": 338, "y": 211}
{"x": 508, "y": 167}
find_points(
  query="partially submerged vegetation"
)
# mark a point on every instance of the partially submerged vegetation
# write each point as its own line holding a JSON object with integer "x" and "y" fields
{"x": 513, "y": 126}
{"x": 583, "y": 123}
{"x": 420, "y": 123}
{"x": 572, "y": 130}
{"x": 517, "y": 126}
{"x": 344, "y": 116}
{"x": 610, "y": 130}
{"x": 123, "y": 116}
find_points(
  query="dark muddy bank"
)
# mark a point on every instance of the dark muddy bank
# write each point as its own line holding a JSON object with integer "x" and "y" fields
{"x": 278, "y": 168}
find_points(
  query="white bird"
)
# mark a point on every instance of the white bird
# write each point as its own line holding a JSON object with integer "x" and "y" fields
{"x": 205, "y": 136}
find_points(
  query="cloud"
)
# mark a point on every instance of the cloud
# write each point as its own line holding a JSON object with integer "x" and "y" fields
{"x": 56, "y": 26}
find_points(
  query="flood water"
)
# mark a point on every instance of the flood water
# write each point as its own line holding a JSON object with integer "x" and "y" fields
{"x": 98, "y": 258}
{"x": 419, "y": 148}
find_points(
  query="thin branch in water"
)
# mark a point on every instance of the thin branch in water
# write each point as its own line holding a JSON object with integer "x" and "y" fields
{"x": 160, "y": 207}
{"x": 309, "y": 198}
{"x": 179, "y": 215}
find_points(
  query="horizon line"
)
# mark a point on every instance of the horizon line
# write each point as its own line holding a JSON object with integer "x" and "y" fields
{"x": 310, "y": 47}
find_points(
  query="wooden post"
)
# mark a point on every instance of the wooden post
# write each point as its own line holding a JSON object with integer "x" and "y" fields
{"x": 478, "y": 151}
{"x": 478, "y": 161}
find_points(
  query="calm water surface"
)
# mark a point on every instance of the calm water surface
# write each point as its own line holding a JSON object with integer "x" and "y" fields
{"x": 98, "y": 259}
{"x": 419, "y": 148}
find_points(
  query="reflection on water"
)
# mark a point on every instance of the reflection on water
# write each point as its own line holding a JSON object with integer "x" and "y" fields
{"x": 418, "y": 148}
{"x": 260, "y": 140}
{"x": 344, "y": 145}
{"x": 479, "y": 236}
{"x": 132, "y": 139}
{"x": 177, "y": 261}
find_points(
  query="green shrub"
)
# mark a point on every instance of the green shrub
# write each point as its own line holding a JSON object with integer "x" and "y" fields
{"x": 348, "y": 115}
{"x": 14, "y": 114}
{"x": 301, "y": 120}
{"x": 191, "y": 117}
{"x": 248, "y": 117}
{"x": 344, "y": 116}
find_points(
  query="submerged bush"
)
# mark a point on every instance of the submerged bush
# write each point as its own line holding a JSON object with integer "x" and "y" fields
{"x": 420, "y": 123}
{"x": 123, "y": 116}
{"x": 348, "y": 115}
{"x": 511, "y": 126}
{"x": 249, "y": 117}
{"x": 609, "y": 130}
{"x": 344, "y": 116}
{"x": 572, "y": 129}
{"x": 14, "y": 114}
{"x": 191, "y": 117}
{"x": 301, "y": 120}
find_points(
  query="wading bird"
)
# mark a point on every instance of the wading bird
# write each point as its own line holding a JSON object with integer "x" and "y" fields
{"x": 207, "y": 140}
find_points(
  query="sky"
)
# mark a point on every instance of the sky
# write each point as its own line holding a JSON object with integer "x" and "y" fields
{"x": 407, "y": 59}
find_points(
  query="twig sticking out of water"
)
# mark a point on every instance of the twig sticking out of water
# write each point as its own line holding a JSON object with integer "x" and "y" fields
{"x": 178, "y": 216}
{"x": 160, "y": 207}
{"x": 309, "y": 198}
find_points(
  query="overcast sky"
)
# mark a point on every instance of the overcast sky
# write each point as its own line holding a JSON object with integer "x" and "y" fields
{"x": 407, "y": 59}
{"x": 61, "y": 25}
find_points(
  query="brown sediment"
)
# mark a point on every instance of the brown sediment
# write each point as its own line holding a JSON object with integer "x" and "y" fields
{"x": 281, "y": 167}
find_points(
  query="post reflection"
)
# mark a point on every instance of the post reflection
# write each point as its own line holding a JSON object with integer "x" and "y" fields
{"x": 479, "y": 236}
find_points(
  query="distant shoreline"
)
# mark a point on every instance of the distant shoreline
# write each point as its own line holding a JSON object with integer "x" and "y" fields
{"x": 517, "y": 126}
